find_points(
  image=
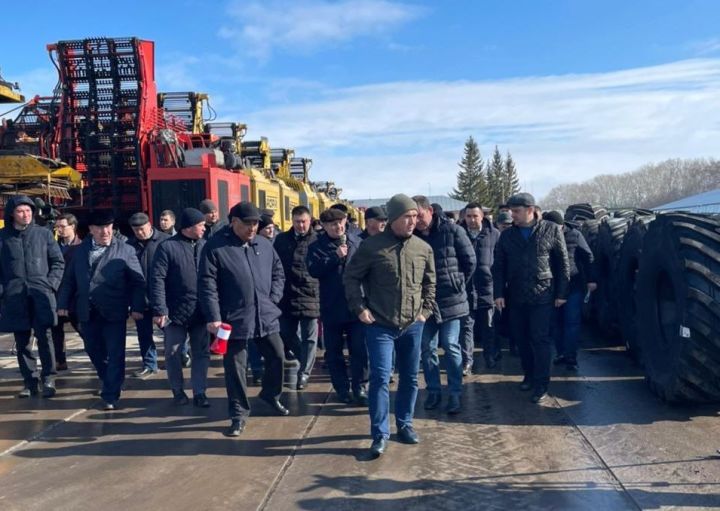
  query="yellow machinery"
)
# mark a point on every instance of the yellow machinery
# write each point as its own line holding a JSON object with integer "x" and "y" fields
{"x": 35, "y": 176}
{"x": 186, "y": 106}
{"x": 257, "y": 153}
{"x": 299, "y": 171}
{"x": 265, "y": 194}
{"x": 9, "y": 92}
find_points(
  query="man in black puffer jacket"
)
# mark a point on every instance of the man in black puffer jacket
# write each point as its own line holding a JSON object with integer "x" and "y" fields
{"x": 300, "y": 304}
{"x": 31, "y": 268}
{"x": 454, "y": 267}
{"x": 478, "y": 325}
{"x": 531, "y": 261}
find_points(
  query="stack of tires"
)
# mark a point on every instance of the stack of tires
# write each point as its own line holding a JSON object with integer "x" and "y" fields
{"x": 677, "y": 299}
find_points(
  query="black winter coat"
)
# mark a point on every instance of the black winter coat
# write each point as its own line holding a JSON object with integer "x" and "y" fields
{"x": 174, "y": 280}
{"x": 116, "y": 284}
{"x": 145, "y": 251}
{"x": 301, "y": 297}
{"x": 480, "y": 287}
{"x": 535, "y": 271}
{"x": 582, "y": 269}
{"x": 31, "y": 269}
{"x": 214, "y": 229}
{"x": 324, "y": 264}
{"x": 240, "y": 284}
{"x": 454, "y": 266}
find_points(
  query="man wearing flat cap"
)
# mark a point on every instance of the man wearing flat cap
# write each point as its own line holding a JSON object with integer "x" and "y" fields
{"x": 104, "y": 279}
{"x": 375, "y": 222}
{"x": 240, "y": 283}
{"x": 327, "y": 259}
{"x": 390, "y": 286}
{"x": 532, "y": 270}
{"x": 213, "y": 222}
{"x": 145, "y": 241}
{"x": 175, "y": 307}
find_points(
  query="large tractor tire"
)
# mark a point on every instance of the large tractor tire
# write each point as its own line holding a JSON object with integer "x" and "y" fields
{"x": 585, "y": 211}
{"x": 589, "y": 230}
{"x": 678, "y": 307}
{"x": 626, "y": 275}
{"x": 607, "y": 255}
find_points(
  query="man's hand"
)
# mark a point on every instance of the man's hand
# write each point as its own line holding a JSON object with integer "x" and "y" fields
{"x": 342, "y": 251}
{"x": 63, "y": 312}
{"x": 591, "y": 287}
{"x": 213, "y": 326}
{"x": 500, "y": 303}
{"x": 421, "y": 318}
{"x": 560, "y": 303}
{"x": 366, "y": 317}
{"x": 160, "y": 321}
{"x": 137, "y": 316}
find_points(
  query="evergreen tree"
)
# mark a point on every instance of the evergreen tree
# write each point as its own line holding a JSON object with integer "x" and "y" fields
{"x": 496, "y": 180}
{"x": 471, "y": 181}
{"x": 512, "y": 181}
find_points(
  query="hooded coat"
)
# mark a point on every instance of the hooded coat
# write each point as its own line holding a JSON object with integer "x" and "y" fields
{"x": 31, "y": 269}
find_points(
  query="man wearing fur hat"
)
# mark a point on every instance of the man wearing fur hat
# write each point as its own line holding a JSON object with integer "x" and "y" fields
{"x": 390, "y": 286}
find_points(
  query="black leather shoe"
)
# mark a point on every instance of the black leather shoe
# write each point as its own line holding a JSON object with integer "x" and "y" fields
{"x": 28, "y": 390}
{"x": 361, "y": 397}
{"x": 201, "y": 401}
{"x": 144, "y": 372}
{"x": 432, "y": 401}
{"x": 302, "y": 381}
{"x": 257, "y": 379}
{"x": 453, "y": 405}
{"x": 344, "y": 397}
{"x": 525, "y": 385}
{"x": 236, "y": 427}
{"x": 378, "y": 447}
{"x": 407, "y": 435}
{"x": 274, "y": 404}
{"x": 110, "y": 407}
{"x": 559, "y": 360}
{"x": 61, "y": 366}
{"x": 539, "y": 395}
{"x": 48, "y": 389}
{"x": 186, "y": 360}
{"x": 467, "y": 369}
{"x": 180, "y": 398}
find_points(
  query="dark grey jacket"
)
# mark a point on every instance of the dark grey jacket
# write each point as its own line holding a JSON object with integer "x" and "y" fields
{"x": 145, "y": 252}
{"x": 582, "y": 269}
{"x": 301, "y": 297}
{"x": 535, "y": 271}
{"x": 174, "y": 279}
{"x": 480, "y": 287}
{"x": 454, "y": 266}
{"x": 241, "y": 284}
{"x": 31, "y": 268}
{"x": 116, "y": 284}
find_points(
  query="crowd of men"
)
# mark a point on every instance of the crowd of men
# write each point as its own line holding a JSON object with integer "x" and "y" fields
{"x": 413, "y": 281}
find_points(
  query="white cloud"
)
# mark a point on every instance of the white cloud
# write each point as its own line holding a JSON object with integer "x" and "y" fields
{"x": 377, "y": 139}
{"x": 706, "y": 46}
{"x": 260, "y": 27}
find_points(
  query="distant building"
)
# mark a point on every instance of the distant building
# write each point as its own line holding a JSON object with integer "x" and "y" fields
{"x": 447, "y": 204}
{"x": 706, "y": 202}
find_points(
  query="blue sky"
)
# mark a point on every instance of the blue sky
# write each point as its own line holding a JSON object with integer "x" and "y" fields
{"x": 382, "y": 94}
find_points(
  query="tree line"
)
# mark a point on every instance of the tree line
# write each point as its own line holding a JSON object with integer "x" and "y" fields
{"x": 490, "y": 183}
{"x": 650, "y": 186}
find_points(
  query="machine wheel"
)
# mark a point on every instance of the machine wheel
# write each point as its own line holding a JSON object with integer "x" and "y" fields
{"x": 678, "y": 307}
{"x": 607, "y": 254}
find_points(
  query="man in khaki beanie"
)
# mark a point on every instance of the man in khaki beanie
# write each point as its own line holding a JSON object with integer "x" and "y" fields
{"x": 390, "y": 286}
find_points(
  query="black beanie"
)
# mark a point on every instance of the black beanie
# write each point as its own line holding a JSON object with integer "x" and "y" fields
{"x": 190, "y": 217}
{"x": 553, "y": 216}
{"x": 207, "y": 206}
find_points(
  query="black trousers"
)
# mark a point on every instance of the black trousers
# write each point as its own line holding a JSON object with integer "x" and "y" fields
{"x": 28, "y": 362}
{"x": 235, "y": 363}
{"x": 530, "y": 327}
{"x": 58, "y": 337}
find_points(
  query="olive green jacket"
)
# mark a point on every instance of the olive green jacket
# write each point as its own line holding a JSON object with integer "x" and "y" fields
{"x": 393, "y": 277}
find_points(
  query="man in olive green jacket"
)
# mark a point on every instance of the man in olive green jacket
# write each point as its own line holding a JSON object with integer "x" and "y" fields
{"x": 390, "y": 285}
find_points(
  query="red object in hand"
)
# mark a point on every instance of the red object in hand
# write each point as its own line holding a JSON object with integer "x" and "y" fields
{"x": 219, "y": 345}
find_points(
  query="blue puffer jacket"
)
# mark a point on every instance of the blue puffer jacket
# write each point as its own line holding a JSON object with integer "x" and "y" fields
{"x": 480, "y": 287}
{"x": 324, "y": 264}
{"x": 454, "y": 266}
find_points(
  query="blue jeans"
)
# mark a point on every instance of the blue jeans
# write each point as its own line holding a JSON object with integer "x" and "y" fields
{"x": 380, "y": 343}
{"x": 334, "y": 344}
{"x": 448, "y": 335}
{"x": 148, "y": 351}
{"x": 566, "y": 325}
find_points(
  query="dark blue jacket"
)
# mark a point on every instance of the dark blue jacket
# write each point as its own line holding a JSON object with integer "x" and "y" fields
{"x": 324, "y": 264}
{"x": 116, "y": 284}
{"x": 241, "y": 284}
{"x": 480, "y": 287}
{"x": 31, "y": 268}
{"x": 174, "y": 279}
{"x": 145, "y": 251}
{"x": 454, "y": 267}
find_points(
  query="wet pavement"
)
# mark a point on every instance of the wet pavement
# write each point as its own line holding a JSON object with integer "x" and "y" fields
{"x": 602, "y": 442}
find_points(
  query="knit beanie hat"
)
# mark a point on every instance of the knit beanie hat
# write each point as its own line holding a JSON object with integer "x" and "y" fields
{"x": 398, "y": 205}
{"x": 553, "y": 216}
{"x": 207, "y": 206}
{"x": 190, "y": 217}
